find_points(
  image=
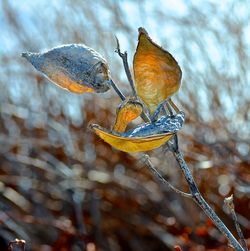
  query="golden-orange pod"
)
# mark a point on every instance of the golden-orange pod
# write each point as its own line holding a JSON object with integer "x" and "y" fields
{"x": 131, "y": 144}
{"x": 144, "y": 137}
{"x": 128, "y": 110}
{"x": 156, "y": 72}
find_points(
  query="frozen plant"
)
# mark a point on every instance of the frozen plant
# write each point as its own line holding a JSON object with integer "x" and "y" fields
{"x": 157, "y": 76}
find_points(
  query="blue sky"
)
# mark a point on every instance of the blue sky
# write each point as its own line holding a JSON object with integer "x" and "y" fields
{"x": 165, "y": 21}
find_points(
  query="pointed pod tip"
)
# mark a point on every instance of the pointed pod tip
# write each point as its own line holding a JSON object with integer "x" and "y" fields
{"x": 142, "y": 30}
{"x": 24, "y": 54}
{"x": 143, "y": 34}
{"x": 32, "y": 58}
{"x": 93, "y": 126}
{"x": 27, "y": 55}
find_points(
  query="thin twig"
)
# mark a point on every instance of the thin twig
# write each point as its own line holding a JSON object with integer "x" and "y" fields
{"x": 117, "y": 90}
{"x": 230, "y": 205}
{"x": 197, "y": 197}
{"x": 158, "y": 110}
{"x": 149, "y": 164}
{"x": 173, "y": 105}
{"x": 124, "y": 57}
{"x": 169, "y": 103}
{"x": 169, "y": 109}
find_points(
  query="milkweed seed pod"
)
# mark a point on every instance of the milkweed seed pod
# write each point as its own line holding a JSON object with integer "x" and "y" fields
{"x": 74, "y": 67}
{"x": 126, "y": 112}
{"x": 157, "y": 77}
{"x": 145, "y": 137}
{"x": 157, "y": 74}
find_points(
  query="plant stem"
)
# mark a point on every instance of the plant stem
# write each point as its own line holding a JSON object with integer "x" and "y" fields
{"x": 230, "y": 204}
{"x": 161, "y": 178}
{"x": 124, "y": 57}
{"x": 196, "y": 195}
{"x": 202, "y": 203}
{"x": 117, "y": 90}
{"x": 123, "y": 97}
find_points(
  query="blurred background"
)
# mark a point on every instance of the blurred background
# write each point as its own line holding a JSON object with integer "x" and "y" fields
{"x": 62, "y": 188}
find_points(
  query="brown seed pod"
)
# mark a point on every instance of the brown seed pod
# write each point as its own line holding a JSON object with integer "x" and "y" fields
{"x": 157, "y": 74}
{"x": 126, "y": 112}
{"x": 74, "y": 67}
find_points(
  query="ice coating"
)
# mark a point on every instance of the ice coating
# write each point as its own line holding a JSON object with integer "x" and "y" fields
{"x": 74, "y": 67}
{"x": 165, "y": 124}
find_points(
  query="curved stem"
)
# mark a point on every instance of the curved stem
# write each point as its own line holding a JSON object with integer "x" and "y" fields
{"x": 124, "y": 57}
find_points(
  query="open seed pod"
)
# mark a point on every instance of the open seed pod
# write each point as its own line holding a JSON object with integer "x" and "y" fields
{"x": 126, "y": 112}
{"x": 145, "y": 137}
{"x": 157, "y": 74}
{"x": 74, "y": 67}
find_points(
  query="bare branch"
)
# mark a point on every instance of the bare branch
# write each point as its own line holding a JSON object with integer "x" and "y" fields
{"x": 124, "y": 57}
{"x": 200, "y": 201}
{"x": 169, "y": 104}
{"x": 149, "y": 164}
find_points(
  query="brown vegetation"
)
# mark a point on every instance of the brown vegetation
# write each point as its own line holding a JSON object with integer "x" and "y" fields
{"x": 62, "y": 188}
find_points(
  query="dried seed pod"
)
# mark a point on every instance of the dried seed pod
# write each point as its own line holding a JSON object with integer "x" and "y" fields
{"x": 144, "y": 137}
{"x": 74, "y": 67}
{"x": 127, "y": 111}
{"x": 157, "y": 74}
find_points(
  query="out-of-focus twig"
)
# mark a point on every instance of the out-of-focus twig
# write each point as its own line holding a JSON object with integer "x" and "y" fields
{"x": 230, "y": 205}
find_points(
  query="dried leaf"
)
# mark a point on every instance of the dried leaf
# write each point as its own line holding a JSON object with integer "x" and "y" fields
{"x": 74, "y": 67}
{"x": 157, "y": 74}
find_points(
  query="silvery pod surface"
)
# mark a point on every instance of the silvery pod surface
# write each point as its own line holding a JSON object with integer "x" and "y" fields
{"x": 74, "y": 67}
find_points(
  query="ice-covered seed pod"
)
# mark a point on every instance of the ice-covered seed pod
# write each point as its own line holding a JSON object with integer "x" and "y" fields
{"x": 74, "y": 67}
{"x": 145, "y": 137}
